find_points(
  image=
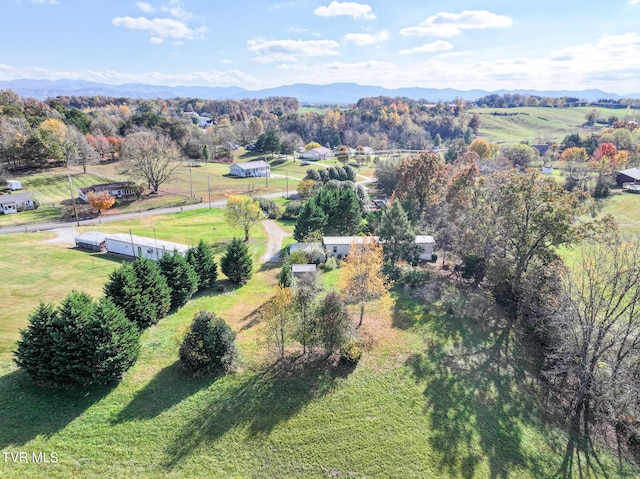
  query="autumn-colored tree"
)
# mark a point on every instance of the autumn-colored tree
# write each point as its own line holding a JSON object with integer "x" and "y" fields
{"x": 100, "y": 200}
{"x": 604, "y": 160}
{"x": 243, "y": 212}
{"x": 278, "y": 314}
{"x": 343, "y": 154}
{"x": 256, "y": 128}
{"x": 311, "y": 146}
{"x": 305, "y": 188}
{"x": 481, "y": 147}
{"x": 361, "y": 277}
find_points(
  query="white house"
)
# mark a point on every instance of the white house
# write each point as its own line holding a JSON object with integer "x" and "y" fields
{"x": 16, "y": 202}
{"x": 14, "y": 185}
{"x": 338, "y": 246}
{"x": 250, "y": 169}
{"x": 122, "y": 189}
{"x": 320, "y": 153}
{"x": 140, "y": 247}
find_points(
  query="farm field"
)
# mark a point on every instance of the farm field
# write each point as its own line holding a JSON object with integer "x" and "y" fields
{"x": 435, "y": 395}
{"x": 535, "y": 124}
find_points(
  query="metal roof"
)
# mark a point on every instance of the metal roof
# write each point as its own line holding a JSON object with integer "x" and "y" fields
{"x": 252, "y": 165}
{"x": 148, "y": 242}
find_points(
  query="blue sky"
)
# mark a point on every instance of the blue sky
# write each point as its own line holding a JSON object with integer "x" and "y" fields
{"x": 491, "y": 45}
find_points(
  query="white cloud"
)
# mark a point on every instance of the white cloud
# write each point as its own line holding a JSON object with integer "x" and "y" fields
{"x": 176, "y": 10}
{"x": 432, "y": 47}
{"x": 269, "y": 51}
{"x": 160, "y": 28}
{"x": 366, "y": 38}
{"x": 145, "y": 7}
{"x": 633, "y": 2}
{"x": 52, "y": 2}
{"x": 451, "y": 24}
{"x": 351, "y": 9}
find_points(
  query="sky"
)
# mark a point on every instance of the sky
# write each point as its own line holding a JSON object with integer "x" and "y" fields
{"x": 255, "y": 44}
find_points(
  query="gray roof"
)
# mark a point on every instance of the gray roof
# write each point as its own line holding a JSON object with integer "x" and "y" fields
{"x": 15, "y": 198}
{"x": 148, "y": 242}
{"x": 304, "y": 246}
{"x": 631, "y": 172}
{"x": 252, "y": 165}
{"x": 91, "y": 237}
{"x": 303, "y": 268}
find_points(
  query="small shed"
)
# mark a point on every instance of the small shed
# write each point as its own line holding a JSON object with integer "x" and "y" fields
{"x": 630, "y": 175}
{"x": 92, "y": 241}
{"x": 300, "y": 269}
{"x": 141, "y": 247}
{"x": 14, "y": 185}
{"x": 547, "y": 170}
{"x": 426, "y": 243}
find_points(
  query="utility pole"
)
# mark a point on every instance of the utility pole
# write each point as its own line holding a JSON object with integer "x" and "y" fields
{"x": 209, "y": 188}
{"x": 73, "y": 199}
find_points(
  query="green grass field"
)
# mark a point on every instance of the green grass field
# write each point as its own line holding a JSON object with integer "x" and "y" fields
{"x": 434, "y": 395}
{"x": 534, "y": 124}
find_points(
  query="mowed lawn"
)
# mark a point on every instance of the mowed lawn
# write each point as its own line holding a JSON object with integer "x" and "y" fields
{"x": 435, "y": 395}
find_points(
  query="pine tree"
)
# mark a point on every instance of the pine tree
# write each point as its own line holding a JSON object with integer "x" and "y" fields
{"x": 236, "y": 263}
{"x": 36, "y": 343}
{"x": 396, "y": 235}
{"x": 311, "y": 219}
{"x": 181, "y": 278}
{"x": 203, "y": 262}
{"x": 285, "y": 277}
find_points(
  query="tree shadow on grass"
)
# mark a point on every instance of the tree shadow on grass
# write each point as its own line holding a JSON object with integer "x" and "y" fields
{"x": 480, "y": 390}
{"x": 168, "y": 388}
{"x": 257, "y": 401}
{"x": 28, "y": 410}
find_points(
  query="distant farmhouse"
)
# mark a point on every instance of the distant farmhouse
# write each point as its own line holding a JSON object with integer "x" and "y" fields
{"x": 320, "y": 153}
{"x": 16, "y": 202}
{"x": 122, "y": 189}
{"x": 250, "y": 169}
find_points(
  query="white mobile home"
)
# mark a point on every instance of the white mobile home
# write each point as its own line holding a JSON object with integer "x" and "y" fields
{"x": 16, "y": 202}
{"x": 338, "y": 246}
{"x": 250, "y": 169}
{"x": 140, "y": 247}
{"x": 92, "y": 241}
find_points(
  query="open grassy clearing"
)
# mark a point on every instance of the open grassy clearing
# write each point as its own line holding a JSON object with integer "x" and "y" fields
{"x": 434, "y": 395}
{"x": 535, "y": 124}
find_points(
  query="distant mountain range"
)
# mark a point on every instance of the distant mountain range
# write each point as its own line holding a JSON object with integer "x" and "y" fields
{"x": 334, "y": 93}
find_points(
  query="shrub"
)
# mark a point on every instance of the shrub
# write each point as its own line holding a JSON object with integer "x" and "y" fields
{"x": 80, "y": 343}
{"x": 236, "y": 263}
{"x": 209, "y": 346}
{"x": 180, "y": 276}
{"x": 351, "y": 352}
{"x": 316, "y": 255}
{"x": 269, "y": 206}
{"x": 413, "y": 277}
{"x": 330, "y": 264}
{"x": 452, "y": 300}
{"x": 292, "y": 210}
{"x": 298, "y": 257}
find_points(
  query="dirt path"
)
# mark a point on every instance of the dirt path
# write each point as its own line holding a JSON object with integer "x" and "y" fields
{"x": 274, "y": 243}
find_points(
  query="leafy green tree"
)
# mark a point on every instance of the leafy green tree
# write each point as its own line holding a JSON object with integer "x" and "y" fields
{"x": 520, "y": 155}
{"x": 202, "y": 260}
{"x": 209, "y": 346}
{"x": 268, "y": 142}
{"x": 306, "y": 289}
{"x": 181, "y": 277}
{"x": 78, "y": 344}
{"x": 243, "y": 212}
{"x": 396, "y": 235}
{"x": 236, "y": 263}
{"x": 310, "y": 219}
{"x": 206, "y": 153}
{"x": 350, "y": 172}
{"x": 334, "y": 326}
{"x": 387, "y": 175}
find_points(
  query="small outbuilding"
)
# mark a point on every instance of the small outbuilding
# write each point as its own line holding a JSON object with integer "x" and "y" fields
{"x": 300, "y": 269}
{"x": 141, "y": 247}
{"x": 250, "y": 169}
{"x": 320, "y": 153}
{"x": 92, "y": 241}
{"x": 630, "y": 175}
{"x": 14, "y": 185}
{"x": 16, "y": 202}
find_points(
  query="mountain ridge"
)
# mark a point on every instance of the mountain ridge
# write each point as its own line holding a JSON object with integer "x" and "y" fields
{"x": 307, "y": 94}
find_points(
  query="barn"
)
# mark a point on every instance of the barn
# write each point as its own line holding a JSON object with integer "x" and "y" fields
{"x": 630, "y": 175}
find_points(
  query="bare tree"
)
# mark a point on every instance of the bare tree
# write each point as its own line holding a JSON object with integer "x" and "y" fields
{"x": 77, "y": 149}
{"x": 150, "y": 156}
{"x": 595, "y": 352}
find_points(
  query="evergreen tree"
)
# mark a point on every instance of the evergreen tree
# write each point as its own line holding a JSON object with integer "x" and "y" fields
{"x": 236, "y": 263}
{"x": 396, "y": 235}
{"x": 153, "y": 288}
{"x": 343, "y": 211}
{"x": 311, "y": 219}
{"x": 285, "y": 277}
{"x": 350, "y": 172}
{"x": 78, "y": 344}
{"x": 209, "y": 346}
{"x": 203, "y": 262}
{"x": 181, "y": 278}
